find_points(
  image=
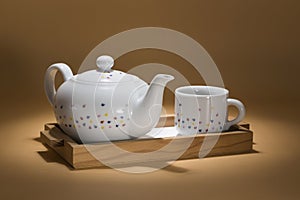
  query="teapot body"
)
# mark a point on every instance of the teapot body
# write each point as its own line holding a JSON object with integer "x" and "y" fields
{"x": 104, "y": 104}
{"x": 97, "y": 112}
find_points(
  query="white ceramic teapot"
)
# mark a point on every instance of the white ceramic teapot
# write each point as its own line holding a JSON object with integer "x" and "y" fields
{"x": 104, "y": 104}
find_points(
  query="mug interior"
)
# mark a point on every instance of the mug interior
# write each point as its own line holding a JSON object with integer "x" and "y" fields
{"x": 201, "y": 91}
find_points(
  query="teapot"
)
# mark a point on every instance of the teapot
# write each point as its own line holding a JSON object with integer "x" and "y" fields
{"x": 104, "y": 104}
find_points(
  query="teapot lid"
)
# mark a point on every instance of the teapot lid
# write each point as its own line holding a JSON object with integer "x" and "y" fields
{"x": 105, "y": 73}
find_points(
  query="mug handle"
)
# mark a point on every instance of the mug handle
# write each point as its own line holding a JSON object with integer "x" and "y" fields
{"x": 242, "y": 112}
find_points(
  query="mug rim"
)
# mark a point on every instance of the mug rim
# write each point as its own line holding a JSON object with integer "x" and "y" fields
{"x": 222, "y": 91}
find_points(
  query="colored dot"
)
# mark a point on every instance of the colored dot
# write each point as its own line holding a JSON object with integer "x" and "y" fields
{"x": 175, "y": 123}
{"x": 217, "y": 114}
{"x": 187, "y": 119}
{"x": 106, "y": 114}
{"x": 109, "y": 126}
{"x": 87, "y": 116}
{"x": 66, "y": 125}
{"x": 206, "y": 130}
{"x": 178, "y": 120}
{"x": 71, "y": 118}
{"x": 212, "y": 121}
{"x": 76, "y": 121}
{"x": 91, "y": 121}
{"x": 60, "y": 117}
{"x": 83, "y": 124}
{"x": 117, "y": 125}
{"x": 102, "y": 121}
{"x": 102, "y": 127}
{"x": 194, "y": 119}
{"x": 110, "y": 75}
{"x": 123, "y": 124}
{"x": 61, "y": 107}
{"x": 84, "y": 105}
{"x": 200, "y": 130}
{"x": 95, "y": 126}
{"x": 182, "y": 121}
{"x": 180, "y": 104}
{"x": 195, "y": 127}
{"x": 98, "y": 115}
{"x": 193, "y": 123}
{"x": 189, "y": 127}
{"x": 200, "y": 122}
{"x": 90, "y": 127}
{"x": 115, "y": 118}
{"x": 199, "y": 109}
{"x": 183, "y": 126}
{"x": 122, "y": 117}
{"x": 108, "y": 122}
{"x": 121, "y": 121}
{"x": 102, "y": 104}
{"x": 219, "y": 122}
{"x": 64, "y": 116}
{"x": 55, "y": 106}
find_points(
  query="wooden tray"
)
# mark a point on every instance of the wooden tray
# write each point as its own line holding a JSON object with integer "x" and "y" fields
{"x": 237, "y": 140}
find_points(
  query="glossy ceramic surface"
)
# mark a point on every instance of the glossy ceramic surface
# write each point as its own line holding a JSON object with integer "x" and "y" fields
{"x": 201, "y": 109}
{"x": 104, "y": 104}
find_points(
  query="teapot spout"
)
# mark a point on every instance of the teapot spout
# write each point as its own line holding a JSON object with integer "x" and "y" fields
{"x": 148, "y": 108}
{"x": 154, "y": 95}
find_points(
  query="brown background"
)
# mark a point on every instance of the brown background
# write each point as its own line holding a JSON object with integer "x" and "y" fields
{"x": 255, "y": 44}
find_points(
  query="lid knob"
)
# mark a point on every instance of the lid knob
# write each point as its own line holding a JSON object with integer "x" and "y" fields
{"x": 105, "y": 63}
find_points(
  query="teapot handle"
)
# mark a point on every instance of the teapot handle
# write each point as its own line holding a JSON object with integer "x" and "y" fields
{"x": 50, "y": 77}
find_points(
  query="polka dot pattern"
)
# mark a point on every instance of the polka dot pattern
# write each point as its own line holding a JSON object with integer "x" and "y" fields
{"x": 187, "y": 122}
{"x": 104, "y": 120}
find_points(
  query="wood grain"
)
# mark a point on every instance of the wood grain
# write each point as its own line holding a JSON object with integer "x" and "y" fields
{"x": 238, "y": 140}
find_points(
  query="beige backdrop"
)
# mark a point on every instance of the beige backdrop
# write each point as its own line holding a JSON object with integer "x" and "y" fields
{"x": 254, "y": 43}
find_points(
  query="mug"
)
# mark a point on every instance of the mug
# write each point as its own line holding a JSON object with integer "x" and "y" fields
{"x": 204, "y": 109}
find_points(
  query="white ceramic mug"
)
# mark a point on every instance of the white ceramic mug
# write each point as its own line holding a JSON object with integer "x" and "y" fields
{"x": 202, "y": 109}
